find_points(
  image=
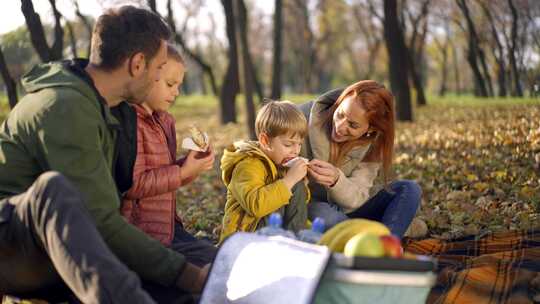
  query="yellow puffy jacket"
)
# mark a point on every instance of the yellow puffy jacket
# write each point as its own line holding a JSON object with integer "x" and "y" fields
{"x": 255, "y": 188}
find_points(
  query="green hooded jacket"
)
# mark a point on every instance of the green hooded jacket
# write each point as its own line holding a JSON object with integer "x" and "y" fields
{"x": 61, "y": 125}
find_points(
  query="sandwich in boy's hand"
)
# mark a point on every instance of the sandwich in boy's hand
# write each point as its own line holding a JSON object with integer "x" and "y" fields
{"x": 197, "y": 140}
{"x": 292, "y": 161}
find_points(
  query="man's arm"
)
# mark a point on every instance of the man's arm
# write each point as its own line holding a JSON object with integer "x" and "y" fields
{"x": 72, "y": 139}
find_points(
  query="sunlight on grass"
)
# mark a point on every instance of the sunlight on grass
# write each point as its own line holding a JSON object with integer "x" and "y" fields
{"x": 470, "y": 100}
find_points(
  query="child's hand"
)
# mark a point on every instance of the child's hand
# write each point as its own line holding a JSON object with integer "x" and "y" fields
{"x": 296, "y": 173}
{"x": 195, "y": 163}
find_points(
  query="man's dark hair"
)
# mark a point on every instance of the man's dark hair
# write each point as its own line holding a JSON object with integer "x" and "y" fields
{"x": 122, "y": 32}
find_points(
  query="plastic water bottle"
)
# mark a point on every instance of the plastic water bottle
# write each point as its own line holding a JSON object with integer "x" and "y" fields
{"x": 274, "y": 227}
{"x": 314, "y": 234}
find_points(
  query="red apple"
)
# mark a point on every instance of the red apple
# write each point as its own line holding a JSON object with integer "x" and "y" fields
{"x": 392, "y": 246}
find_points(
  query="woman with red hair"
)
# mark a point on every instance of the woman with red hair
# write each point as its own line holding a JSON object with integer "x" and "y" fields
{"x": 350, "y": 138}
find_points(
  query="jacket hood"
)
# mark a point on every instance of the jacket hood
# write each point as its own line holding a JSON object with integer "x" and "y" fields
{"x": 55, "y": 74}
{"x": 237, "y": 152}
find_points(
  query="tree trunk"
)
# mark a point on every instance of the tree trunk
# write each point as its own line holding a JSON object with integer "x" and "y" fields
{"x": 198, "y": 59}
{"x": 498, "y": 52}
{"x": 256, "y": 82}
{"x": 58, "y": 44}
{"x": 278, "y": 40}
{"x": 473, "y": 52}
{"x": 152, "y": 5}
{"x": 417, "y": 82}
{"x": 309, "y": 61}
{"x": 240, "y": 14}
{"x": 11, "y": 85}
{"x": 72, "y": 40}
{"x": 444, "y": 72}
{"x": 487, "y": 75}
{"x": 444, "y": 69}
{"x": 231, "y": 85}
{"x": 87, "y": 25}
{"x": 397, "y": 53}
{"x": 415, "y": 51}
{"x": 455, "y": 63}
{"x": 517, "y": 90}
{"x": 37, "y": 33}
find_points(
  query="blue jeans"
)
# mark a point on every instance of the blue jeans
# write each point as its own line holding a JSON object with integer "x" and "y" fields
{"x": 395, "y": 209}
{"x": 198, "y": 252}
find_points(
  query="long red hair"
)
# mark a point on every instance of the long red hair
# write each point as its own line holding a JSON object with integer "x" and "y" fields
{"x": 378, "y": 102}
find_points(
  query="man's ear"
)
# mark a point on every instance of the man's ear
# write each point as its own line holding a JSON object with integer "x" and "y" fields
{"x": 137, "y": 65}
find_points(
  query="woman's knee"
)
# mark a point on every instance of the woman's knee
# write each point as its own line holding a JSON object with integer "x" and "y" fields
{"x": 330, "y": 214}
{"x": 409, "y": 188}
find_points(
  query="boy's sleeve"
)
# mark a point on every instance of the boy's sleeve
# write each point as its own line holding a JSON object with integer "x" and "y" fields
{"x": 76, "y": 152}
{"x": 256, "y": 197}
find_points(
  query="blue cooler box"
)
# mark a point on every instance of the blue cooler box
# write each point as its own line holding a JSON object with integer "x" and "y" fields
{"x": 255, "y": 269}
{"x": 376, "y": 280}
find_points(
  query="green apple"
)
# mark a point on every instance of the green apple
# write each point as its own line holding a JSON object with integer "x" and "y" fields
{"x": 364, "y": 244}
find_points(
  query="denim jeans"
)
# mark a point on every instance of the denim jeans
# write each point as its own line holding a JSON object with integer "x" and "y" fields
{"x": 197, "y": 252}
{"x": 395, "y": 209}
{"x": 47, "y": 237}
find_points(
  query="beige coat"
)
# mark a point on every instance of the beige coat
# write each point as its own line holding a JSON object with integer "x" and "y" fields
{"x": 356, "y": 179}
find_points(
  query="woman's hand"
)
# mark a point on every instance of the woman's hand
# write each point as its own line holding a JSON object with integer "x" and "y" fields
{"x": 195, "y": 163}
{"x": 323, "y": 173}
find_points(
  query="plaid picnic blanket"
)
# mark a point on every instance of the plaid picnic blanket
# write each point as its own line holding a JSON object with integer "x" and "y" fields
{"x": 495, "y": 268}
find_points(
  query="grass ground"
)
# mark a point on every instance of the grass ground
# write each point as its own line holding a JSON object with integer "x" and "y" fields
{"x": 477, "y": 161}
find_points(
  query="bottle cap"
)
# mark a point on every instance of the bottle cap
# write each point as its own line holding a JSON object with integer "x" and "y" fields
{"x": 275, "y": 220}
{"x": 318, "y": 225}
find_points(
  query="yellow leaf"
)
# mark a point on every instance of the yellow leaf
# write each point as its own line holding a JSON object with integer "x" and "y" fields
{"x": 472, "y": 177}
{"x": 527, "y": 191}
{"x": 499, "y": 174}
{"x": 480, "y": 186}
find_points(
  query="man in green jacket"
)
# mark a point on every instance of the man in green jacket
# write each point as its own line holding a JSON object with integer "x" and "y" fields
{"x": 57, "y": 150}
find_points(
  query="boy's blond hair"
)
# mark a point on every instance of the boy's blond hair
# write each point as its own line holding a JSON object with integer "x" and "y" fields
{"x": 280, "y": 117}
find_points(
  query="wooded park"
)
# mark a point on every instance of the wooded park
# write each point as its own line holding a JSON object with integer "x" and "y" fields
{"x": 465, "y": 80}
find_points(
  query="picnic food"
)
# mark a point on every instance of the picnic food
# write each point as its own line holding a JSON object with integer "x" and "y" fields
{"x": 198, "y": 137}
{"x": 364, "y": 244}
{"x": 336, "y": 237}
{"x": 290, "y": 162}
{"x": 392, "y": 246}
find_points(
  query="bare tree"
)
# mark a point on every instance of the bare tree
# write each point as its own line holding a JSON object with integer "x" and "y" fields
{"x": 474, "y": 52}
{"x": 455, "y": 63}
{"x": 303, "y": 44}
{"x": 11, "y": 85}
{"x": 443, "y": 47}
{"x": 398, "y": 65}
{"x": 87, "y": 25}
{"x": 240, "y": 14}
{"x": 178, "y": 38}
{"x": 231, "y": 83}
{"x": 152, "y": 5}
{"x": 516, "y": 90}
{"x": 416, "y": 47}
{"x": 278, "y": 42}
{"x": 37, "y": 32}
{"x": 498, "y": 52}
{"x": 365, "y": 16}
{"x": 72, "y": 40}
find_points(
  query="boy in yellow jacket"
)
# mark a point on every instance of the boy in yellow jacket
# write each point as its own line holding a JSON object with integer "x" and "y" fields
{"x": 257, "y": 181}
